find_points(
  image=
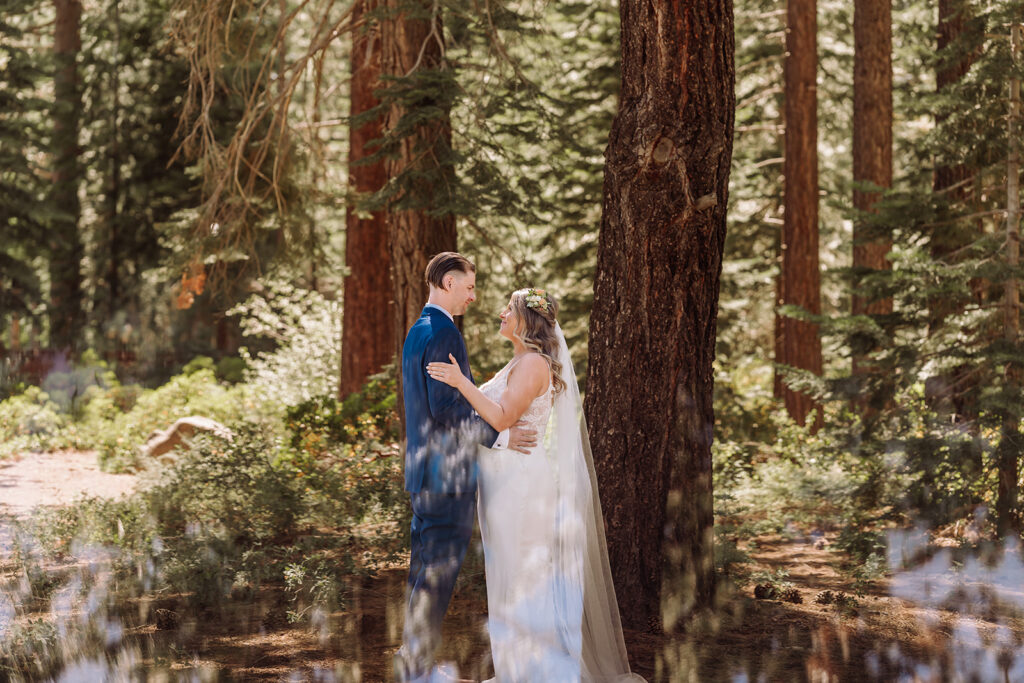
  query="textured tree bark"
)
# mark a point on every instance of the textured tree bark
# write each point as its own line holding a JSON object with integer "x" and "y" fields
{"x": 872, "y": 136}
{"x": 368, "y": 315}
{"x": 798, "y": 343}
{"x": 66, "y": 316}
{"x": 412, "y": 41}
{"x": 652, "y": 327}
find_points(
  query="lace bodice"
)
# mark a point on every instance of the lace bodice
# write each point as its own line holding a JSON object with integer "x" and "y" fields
{"x": 539, "y": 410}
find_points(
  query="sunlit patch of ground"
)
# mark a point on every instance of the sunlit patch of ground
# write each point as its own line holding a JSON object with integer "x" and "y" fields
{"x": 936, "y": 619}
{"x": 34, "y": 479}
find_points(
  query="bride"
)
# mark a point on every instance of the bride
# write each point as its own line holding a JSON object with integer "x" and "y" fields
{"x": 552, "y": 614}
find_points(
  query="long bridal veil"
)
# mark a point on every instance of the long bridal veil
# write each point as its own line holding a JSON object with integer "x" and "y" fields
{"x": 585, "y": 594}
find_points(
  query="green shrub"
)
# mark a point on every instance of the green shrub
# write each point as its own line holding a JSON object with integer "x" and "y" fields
{"x": 195, "y": 392}
{"x": 306, "y": 329}
{"x": 93, "y": 521}
{"x": 100, "y": 406}
{"x": 30, "y": 421}
{"x": 314, "y": 584}
{"x": 860, "y": 539}
{"x": 369, "y": 414}
{"x": 775, "y": 585}
{"x": 225, "y": 515}
{"x": 866, "y": 573}
{"x": 25, "y": 646}
{"x": 231, "y": 369}
{"x": 194, "y": 527}
{"x": 197, "y": 364}
{"x": 199, "y": 566}
{"x": 727, "y": 553}
{"x": 347, "y": 456}
{"x": 228, "y": 490}
{"x": 100, "y": 413}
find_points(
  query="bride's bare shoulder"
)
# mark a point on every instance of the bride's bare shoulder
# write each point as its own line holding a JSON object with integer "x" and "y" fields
{"x": 530, "y": 368}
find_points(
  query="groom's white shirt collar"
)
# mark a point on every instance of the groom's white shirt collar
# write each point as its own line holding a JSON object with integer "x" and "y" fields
{"x": 441, "y": 308}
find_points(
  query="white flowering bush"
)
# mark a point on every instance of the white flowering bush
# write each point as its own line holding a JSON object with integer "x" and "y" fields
{"x": 307, "y": 330}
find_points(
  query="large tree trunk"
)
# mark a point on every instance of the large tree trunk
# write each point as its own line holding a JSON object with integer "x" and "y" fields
{"x": 797, "y": 343}
{"x": 872, "y": 136}
{"x": 368, "y": 314}
{"x": 652, "y": 327}
{"x": 66, "y": 317}
{"x": 411, "y": 44}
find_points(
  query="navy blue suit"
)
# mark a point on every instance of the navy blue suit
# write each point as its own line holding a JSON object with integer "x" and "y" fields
{"x": 442, "y": 433}
{"x": 442, "y": 430}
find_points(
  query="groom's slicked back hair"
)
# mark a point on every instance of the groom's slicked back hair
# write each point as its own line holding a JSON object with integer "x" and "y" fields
{"x": 444, "y": 263}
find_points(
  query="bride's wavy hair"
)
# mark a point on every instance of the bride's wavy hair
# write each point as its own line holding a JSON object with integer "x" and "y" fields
{"x": 536, "y": 329}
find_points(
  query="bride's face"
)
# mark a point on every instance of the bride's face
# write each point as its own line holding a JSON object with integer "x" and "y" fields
{"x": 509, "y": 321}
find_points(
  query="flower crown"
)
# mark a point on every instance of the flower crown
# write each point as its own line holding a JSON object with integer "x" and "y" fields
{"x": 537, "y": 298}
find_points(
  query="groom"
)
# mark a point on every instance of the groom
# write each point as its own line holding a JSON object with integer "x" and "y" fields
{"x": 442, "y": 433}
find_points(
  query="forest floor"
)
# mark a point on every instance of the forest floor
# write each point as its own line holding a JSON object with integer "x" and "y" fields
{"x": 949, "y": 618}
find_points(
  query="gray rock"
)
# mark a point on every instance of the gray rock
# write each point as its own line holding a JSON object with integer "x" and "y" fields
{"x": 181, "y": 432}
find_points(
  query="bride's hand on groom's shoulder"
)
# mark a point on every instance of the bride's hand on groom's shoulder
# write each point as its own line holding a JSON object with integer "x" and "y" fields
{"x": 449, "y": 373}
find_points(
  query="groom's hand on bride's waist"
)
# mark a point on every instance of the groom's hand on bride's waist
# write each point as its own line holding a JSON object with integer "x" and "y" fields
{"x": 520, "y": 438}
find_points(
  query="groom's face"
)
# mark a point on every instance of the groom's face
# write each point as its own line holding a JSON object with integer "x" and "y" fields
{"x": 462, "y": 290}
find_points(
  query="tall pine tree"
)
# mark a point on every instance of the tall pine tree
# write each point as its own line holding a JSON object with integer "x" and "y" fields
{"x": 797, "y": 342}
{"x": 24, "y": 213}
{"x": 652, "y": 329}
{"x": 872, "y": 140}
{"x": 368, "y": 311}
{"x": 66, "y": 308}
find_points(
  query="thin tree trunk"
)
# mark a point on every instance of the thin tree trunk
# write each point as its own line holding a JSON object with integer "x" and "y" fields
{"x": 798, "y": 343}
{"x": 872, "y": 137}
{"x": 951, "y": 25}
{"x": 652, "y": 327}
{"x": 112, "y": 200}
{"x": 65, "y": 242}
{"x": 947, "y": 392}
{"x": 412, "y": 42}
{"x": 368, "y": 315}
{"x": 1009, "y": 447}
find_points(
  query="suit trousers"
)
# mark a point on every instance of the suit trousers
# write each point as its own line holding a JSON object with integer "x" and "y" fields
{"x": 442, "y": 525}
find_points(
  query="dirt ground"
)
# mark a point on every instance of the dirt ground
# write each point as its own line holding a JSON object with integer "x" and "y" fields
{"x": 944, "y": 617}
{"x": 55, "y": 479}
{"x": 883, "y": 638}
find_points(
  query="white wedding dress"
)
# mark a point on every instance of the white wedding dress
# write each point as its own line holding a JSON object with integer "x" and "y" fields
{"x": 552, "y": 614}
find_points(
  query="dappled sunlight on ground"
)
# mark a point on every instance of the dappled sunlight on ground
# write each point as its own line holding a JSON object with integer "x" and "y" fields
{"x": 940, "y": 608}
{"x": 945, "y": 614}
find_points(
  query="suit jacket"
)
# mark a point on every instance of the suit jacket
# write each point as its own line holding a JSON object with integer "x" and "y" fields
{"x": 442, "y": 430}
